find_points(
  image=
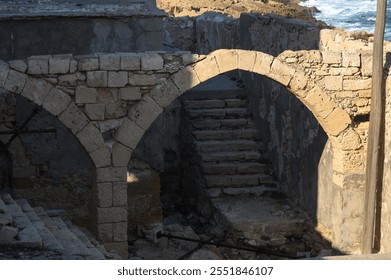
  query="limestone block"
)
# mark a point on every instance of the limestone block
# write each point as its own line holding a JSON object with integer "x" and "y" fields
{"x": 189, "y": 58}
{"x": 333, "y": 82}
{"x": 115, "y": 110}
{"x": 263, "y": 63}
{"x": 74, "y": 118}
{"x": 71, "y": 79}
{"x": 337, "y": 121}
{"x": 106, "y": 95}
{"x": 165, "y": 93}
{"x": 7, "y": 234}
{"x": 299, "y": 84}
{"x": 186, "y": 79}
{"x": 142, "y": 79}
{"x": 320, "y": 103}
{"x": 87, "y": 63}
{"x": 130, "y": 61}
{"x": 90, "y": 137}
{"x": 18, "y": 65}
{"x": 332, "y": 57}
{"x": 281, "y": 72}
{"x": 117, "y": 79}
{"x": 366, "y": 68}
{"x": 357, "y": 84}
{"x": 112, "y": 215}
{"x": 15, "y": 81}
{"x": 121, "y": 154}
{"x": 36, "y": 90}
{"x": 102, "y": 156}
{"x": 59, "y": 64}
{"x": 72, "y": 66}
{"x": 207, "y": 68}
{"x": 38, "y": 65}
{"x": 111, "y": 174}
{"x": 120, "y": 232}
{"x": 130, "y": 93}
{"x": 350, "y": 140}
{"x": 145, "y": 112}
{"x": 97, "y": 79}
{"x": 120, "y": 194}
{"x": 105, "y": 232}
{"x": 227, "y": 60}
{"x": 5, "y": 219}
{"x": 105, "y": 195}
{"x": 351, "y": 59}
{"x": 129, "y": 134}
{"x": 56, "y": 101}
{"x": 246, "y": 60}
{"x": 151, "y": 62}
{"x": 85, "y": 95}
{"x": 110, "y": 61}
{"x": 4, "y": 70}
{"x": 95, "y": 111}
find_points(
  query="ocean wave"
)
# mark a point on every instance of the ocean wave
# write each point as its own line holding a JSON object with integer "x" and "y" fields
{"x": 351, "y": 15}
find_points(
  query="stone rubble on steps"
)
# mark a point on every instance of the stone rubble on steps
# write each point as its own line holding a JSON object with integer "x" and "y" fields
{"x": 27, "y": 228}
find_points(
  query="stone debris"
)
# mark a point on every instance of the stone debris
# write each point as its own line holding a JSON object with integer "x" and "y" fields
{"x": 30, "y": 233}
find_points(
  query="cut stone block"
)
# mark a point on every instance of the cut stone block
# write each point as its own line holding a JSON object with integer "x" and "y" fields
{"x": 97, "y": 78}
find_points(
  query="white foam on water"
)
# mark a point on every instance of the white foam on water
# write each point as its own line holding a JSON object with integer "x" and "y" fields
{"x": 350, "y": 14}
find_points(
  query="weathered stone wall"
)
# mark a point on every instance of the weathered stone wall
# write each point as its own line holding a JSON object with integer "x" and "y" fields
{"x": 24, "y": 38}
{"x": 108, "y": 101}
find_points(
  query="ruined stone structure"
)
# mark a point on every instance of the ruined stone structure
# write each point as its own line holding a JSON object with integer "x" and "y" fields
{"x": 109, "y": 100}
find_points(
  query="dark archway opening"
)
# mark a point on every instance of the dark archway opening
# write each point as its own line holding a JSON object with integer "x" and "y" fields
{"x": 168, "y": 160}
{"x": 50, "y": 168}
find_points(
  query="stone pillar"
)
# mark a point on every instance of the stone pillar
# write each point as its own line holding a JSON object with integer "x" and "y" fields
{"x": 348, "y": 191}
{"x": 110, "y": 208}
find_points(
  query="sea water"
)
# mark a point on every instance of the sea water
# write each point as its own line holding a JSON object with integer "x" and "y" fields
{"x": 350, "y": 14}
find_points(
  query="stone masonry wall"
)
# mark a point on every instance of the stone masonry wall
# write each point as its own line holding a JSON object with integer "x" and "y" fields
{"x": 99, "y": 35}
{"x": 108, "y": 101}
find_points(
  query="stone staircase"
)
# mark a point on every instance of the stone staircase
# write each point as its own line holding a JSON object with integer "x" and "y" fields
{"x": 239, "y": 178}
{"x": 22, "y": 226}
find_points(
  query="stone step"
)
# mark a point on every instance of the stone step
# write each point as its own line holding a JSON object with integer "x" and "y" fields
{"x": 74, "y": 247}
{"x": 247, "y": 133}
{"x": 253, "y": 191}
{"x": 254, "y": 217}
{"x": 237, "y": 168}
{"x": 234, "y": 93}
{"x": 94, "y": 252}
{"x": 227, "y": 145}
{"x": 215, "y": 103}
{"x": 28, "y": 236}
{"x": 218, "y": 113}
{"x": 242, "y": 180}
{"x": 231, "y": 156}
{"x": 49, "y": 242}
{"x": 204, "y": 124}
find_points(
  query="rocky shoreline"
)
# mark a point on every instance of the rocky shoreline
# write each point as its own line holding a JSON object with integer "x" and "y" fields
{"x": 233, "y": 8}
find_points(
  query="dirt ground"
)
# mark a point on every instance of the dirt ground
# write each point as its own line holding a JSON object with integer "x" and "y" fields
{"x": 286, "y": 8}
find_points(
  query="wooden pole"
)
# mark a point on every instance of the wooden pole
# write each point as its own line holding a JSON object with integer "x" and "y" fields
{"x": 373, "y": 168}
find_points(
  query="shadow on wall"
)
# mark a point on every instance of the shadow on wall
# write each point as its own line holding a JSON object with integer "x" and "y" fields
{"x": 50, "y": 169}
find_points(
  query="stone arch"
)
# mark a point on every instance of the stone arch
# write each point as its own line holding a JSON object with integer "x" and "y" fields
{"x": 335, "y": 121}
{"x": 61, "y": 106}
{"x": 332, "y": 118}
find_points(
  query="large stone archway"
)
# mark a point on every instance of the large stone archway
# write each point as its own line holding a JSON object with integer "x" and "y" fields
{"x": 126, "y": 92}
